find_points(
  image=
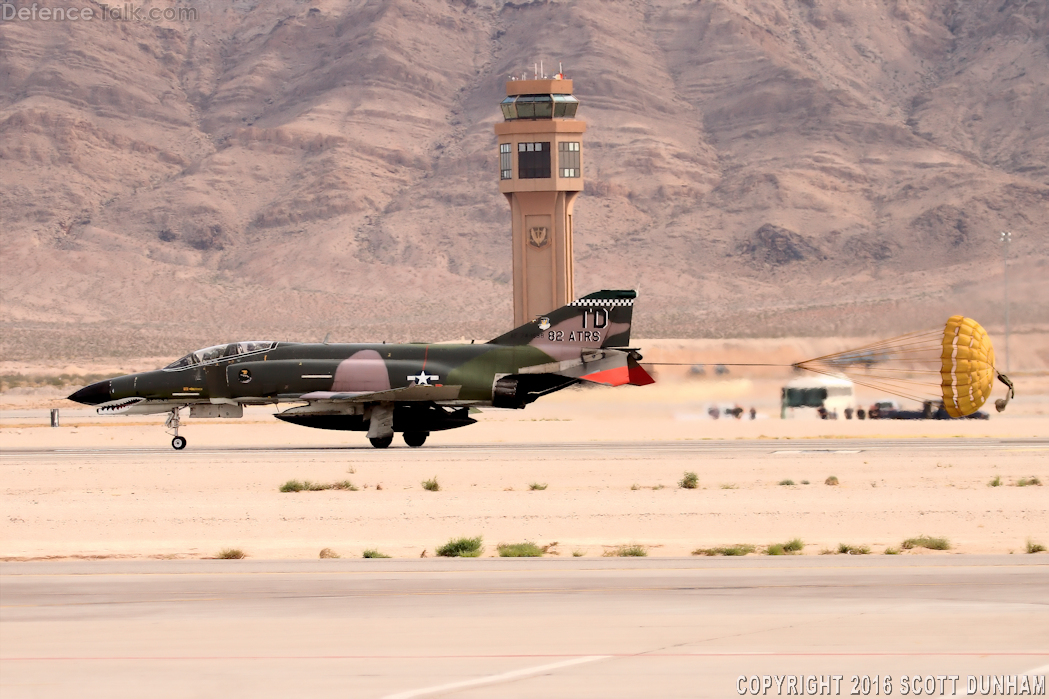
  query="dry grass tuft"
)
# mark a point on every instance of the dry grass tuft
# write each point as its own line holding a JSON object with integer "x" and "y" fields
{"x": 626, "y": 550}
{"x": 526, "y": 549}
{"x": 690, "y": 481}
{"x": 831, "y": 480}
{"x": 329, "y": 553}
{"x": 537, "y": 486}
{"x": 1034, "y": 547}
{"x": 231, "y": 554}
{"x": 432, "y": 485}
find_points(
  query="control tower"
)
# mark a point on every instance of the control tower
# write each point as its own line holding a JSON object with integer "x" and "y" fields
{"x": 541, "y": 174}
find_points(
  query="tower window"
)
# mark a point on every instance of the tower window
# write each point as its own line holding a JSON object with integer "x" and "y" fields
{"x": 568, "y": 159}
{"x": 506, "y": 161}
{"x": 533, "y": 160}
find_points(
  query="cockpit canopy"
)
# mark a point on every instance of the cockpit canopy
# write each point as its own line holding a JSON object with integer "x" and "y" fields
{"x": 217, "y": 352}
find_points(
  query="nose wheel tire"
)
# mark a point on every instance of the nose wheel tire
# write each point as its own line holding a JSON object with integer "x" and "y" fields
{"x": 415, "y": 439}
{"x": 178, "y": 443}
{"x": 381, "y": 442}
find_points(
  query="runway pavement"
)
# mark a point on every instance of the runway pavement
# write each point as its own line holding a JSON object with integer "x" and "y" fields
{"x": 639, "y": 448}
{"x": 605, "y": 627}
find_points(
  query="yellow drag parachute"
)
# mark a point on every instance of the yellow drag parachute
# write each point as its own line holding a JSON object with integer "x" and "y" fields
{"x": 954, "y": 365}
{"x": 966, "y": 366}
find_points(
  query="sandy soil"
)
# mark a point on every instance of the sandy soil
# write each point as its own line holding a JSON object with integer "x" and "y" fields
{"x": 915, "y": 478}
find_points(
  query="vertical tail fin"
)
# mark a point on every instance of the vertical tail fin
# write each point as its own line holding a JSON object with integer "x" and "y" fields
{"x": 600, "y": 319}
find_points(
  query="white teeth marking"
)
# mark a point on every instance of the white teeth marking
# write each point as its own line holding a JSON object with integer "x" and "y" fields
{"x": 121, "y": 405}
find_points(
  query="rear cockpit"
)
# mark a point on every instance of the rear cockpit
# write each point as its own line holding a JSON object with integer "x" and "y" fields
{"x": 209, "y": 355}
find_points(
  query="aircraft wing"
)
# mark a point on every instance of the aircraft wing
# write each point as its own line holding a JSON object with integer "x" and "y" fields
{"x": 405, "y": 393}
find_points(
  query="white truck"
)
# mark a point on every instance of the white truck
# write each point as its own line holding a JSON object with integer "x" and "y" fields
{"x": 806, "y": 395}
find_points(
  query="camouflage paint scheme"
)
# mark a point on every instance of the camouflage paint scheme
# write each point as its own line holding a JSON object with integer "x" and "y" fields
{"x": 385, "y": 388}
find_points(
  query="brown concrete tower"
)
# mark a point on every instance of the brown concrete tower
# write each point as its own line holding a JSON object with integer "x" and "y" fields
{"x": 541, "y": 174}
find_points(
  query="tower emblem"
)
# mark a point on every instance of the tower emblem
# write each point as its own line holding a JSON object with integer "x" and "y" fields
{"x": 538, "y": 236}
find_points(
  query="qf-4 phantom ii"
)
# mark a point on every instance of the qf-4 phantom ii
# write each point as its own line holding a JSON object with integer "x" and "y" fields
{"x": 384, "y": 388}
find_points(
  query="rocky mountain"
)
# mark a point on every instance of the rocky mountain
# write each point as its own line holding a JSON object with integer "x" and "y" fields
{"x": 284, "y": 169}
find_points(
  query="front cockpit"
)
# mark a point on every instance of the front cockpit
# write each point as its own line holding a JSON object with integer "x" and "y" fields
{"x": 212, "y": 354}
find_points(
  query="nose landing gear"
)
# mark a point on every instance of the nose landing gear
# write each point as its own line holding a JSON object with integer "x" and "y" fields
{"x": 171, "y": 424}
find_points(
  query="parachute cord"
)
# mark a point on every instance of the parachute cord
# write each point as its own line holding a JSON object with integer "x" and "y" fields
{"x": 1000, "y": 404}
{"x": 785, "y": 366}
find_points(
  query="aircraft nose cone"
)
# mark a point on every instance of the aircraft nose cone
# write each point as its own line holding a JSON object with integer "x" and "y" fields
{"x": 94, "y": 394}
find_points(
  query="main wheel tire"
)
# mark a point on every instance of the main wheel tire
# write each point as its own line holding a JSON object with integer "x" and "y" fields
{"x": 178, "y": 443}
{"x": 415, "y": 439}
{"x": 381, "y": 442}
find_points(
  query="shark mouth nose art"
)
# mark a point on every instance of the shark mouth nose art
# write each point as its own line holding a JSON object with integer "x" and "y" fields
{"x": 118, "y": 406}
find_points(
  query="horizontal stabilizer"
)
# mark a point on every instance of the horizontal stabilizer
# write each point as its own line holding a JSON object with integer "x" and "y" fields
{"x": 629, "y": 373}
{"x": 609, "y": 367}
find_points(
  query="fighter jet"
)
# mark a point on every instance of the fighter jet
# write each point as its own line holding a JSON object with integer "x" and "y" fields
{"x": 381, "y": 389}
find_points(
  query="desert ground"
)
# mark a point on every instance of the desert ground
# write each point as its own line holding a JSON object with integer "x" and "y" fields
{"x": 611, "y": 461}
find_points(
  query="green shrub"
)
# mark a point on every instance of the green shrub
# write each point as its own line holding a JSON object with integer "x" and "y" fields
{"x": 1034, "y": 547}
{"x": 786, "y": 481}
{"x": 792, "y": 546}
{"x": 373, "y": 553}
{"x": 631, "y": 550}
{"x": 734, "y": 550}
{"x": 927, "y": 542}
{"x": 689, "y": 481}
{"x": 890, "y": 551}
{"x": 1033, "y": 480}
{"x": 537, "y": 486}
{"x": 431, "y": 484}
{"x": 461, "y": 548}
{"x": 524, "y": 550}
{"x": 995, "y": 482}
{"x": 298, "y": 486}
{"x": 854, "y": 550}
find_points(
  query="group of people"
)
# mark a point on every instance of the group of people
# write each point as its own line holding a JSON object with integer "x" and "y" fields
{"x": 860, "y": 413}
{"x": 737, "y": 412}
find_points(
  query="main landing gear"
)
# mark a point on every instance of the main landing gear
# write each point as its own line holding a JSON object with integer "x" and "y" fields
{"x": 381, "y": 442}
{"x": 415, "y": 439}
{"x": 412, "y": 439}
{"x": 178, "y": 443}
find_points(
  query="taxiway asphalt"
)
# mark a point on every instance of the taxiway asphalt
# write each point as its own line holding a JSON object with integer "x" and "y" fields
{"x": 607, "y": 627}
{"x": 653, "y": 449}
